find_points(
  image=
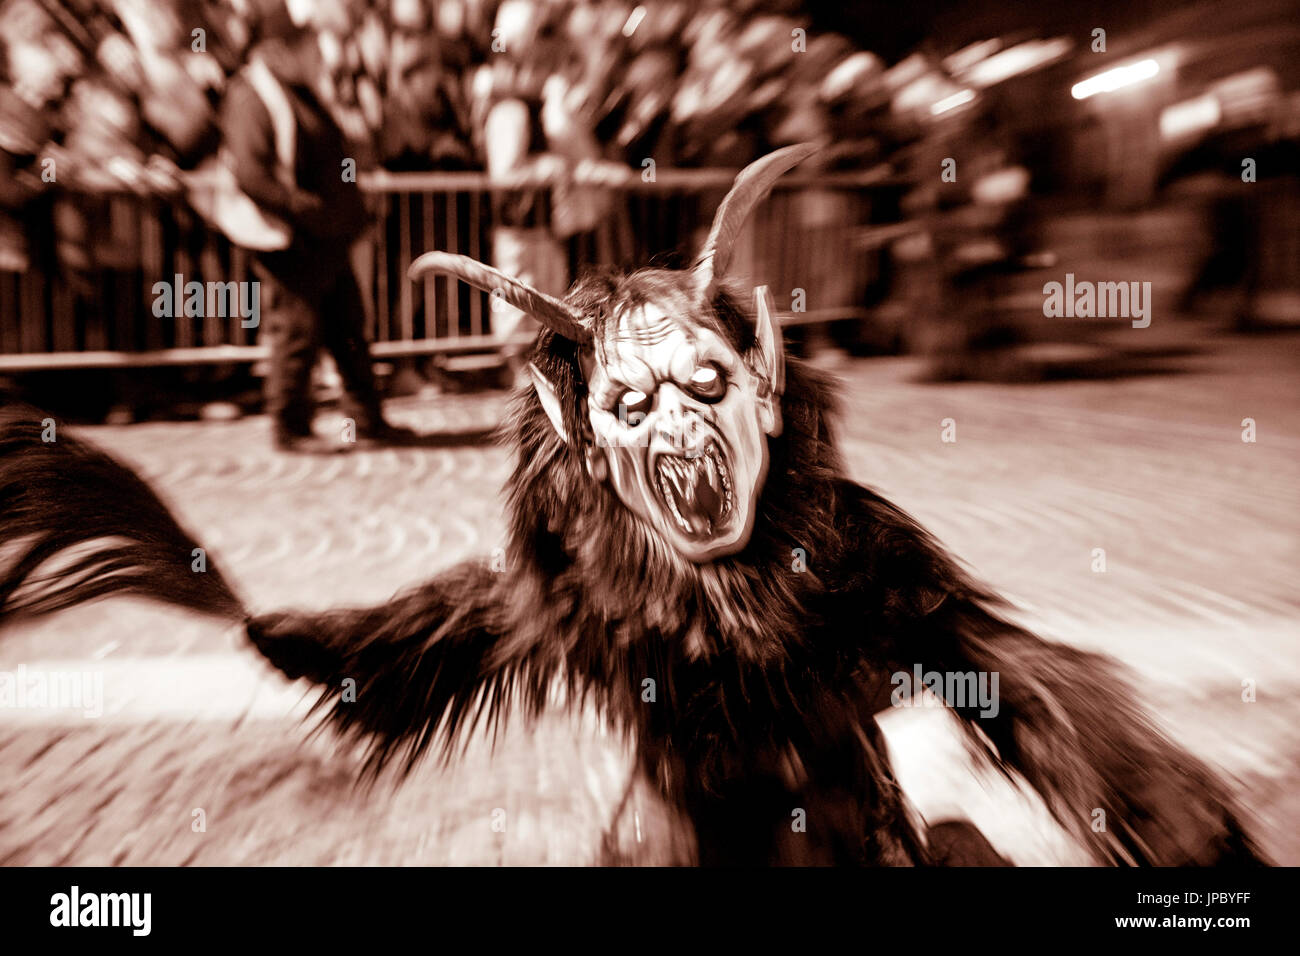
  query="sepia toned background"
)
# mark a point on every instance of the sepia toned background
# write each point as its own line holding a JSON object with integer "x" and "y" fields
{"x": 1025, "y": 442}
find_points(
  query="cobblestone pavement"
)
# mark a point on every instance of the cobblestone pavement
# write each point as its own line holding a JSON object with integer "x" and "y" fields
{"x": 1199, "y": 531}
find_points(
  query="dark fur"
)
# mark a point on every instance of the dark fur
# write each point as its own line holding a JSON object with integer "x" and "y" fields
{"x": 66, "y": 500}
{"x": 766, "y": 678}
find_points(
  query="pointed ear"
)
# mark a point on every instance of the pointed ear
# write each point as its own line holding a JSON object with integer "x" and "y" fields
{"x": 550, "y": 401}
{"x": 771, "y": 359}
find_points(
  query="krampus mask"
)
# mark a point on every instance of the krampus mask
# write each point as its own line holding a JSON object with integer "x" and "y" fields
{"x": 676, "y": 411}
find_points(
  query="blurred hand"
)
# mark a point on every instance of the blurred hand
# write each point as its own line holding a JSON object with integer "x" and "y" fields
{"x": 601, "y": 172}
{"x": 162, "y": 174}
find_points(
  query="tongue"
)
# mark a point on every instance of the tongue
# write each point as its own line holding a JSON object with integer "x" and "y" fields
{"x": 704, "y": 509}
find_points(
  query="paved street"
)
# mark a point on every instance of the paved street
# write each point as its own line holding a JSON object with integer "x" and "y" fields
{"x": 1199, "y": 531}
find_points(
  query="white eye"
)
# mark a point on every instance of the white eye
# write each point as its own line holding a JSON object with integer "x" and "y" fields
{"x": 707, "y": 383}
{"x": 633, "y": 402}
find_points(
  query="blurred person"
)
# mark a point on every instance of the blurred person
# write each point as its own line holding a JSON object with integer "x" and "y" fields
{"x": 23, "y": 132}
{"x": 42, "y": 62}
{"x": 1230, "y": 273}
{"x": 508, "y": 105}
{"x": 169, "y": 78}
{"x": 422, "y": 126}
{"x": 584, "y": 216}
{"x": 984, "y": 232}
{"x": 313, "y": 297}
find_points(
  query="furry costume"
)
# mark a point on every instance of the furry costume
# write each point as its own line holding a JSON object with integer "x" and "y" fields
{"x": 769, "y": 599}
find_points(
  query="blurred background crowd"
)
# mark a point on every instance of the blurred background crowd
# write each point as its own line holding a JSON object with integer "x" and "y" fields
{"x": 125, "y": 91}
{"x": 970, "y": 157}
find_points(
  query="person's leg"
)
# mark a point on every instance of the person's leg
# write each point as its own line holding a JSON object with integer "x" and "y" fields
{"x": 343, "y": 334}
{"x": 292, "y": 333}
{"x": 1252, "y": 258}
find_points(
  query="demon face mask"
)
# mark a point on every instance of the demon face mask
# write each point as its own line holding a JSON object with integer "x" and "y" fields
{"x": 677, "y": 418}
{"x": 680, "y": 422}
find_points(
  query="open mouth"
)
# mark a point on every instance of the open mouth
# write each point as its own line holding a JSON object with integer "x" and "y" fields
{"x": 696, "y": 489}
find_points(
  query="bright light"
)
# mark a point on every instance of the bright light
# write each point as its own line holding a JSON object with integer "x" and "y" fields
{"x": 952, "y": 102}
{"x": 633, "y": 21}
{"x": 1016, "y": 60}
{"x": 1190, "y": 116}
{"x": 968, "y": 56}
{"x": 1115, "y": 79}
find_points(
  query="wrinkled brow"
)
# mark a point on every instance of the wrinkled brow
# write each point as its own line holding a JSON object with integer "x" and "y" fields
{"x": 629, "y": 358}
{"x": 630, "y": 331}
{"x": 633, "y": 327}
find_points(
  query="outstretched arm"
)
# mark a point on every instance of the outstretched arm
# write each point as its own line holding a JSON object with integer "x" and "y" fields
{"x": 76, "y": 525}
{"x": 1063, "y": 719}
{"x": 1068, "y": 722}
{"x": 426, "y": 666}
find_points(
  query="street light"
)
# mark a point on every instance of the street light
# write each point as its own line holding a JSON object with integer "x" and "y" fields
{"x": 1114, "y": 79}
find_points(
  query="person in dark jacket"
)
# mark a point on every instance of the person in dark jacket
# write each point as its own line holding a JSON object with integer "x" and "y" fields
{"x": 313, "y": 297}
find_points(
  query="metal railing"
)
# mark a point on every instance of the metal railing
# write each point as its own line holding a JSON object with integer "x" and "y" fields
{"x": 85, "y": 299}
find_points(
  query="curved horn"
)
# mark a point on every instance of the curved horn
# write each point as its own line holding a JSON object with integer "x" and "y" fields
{"x": 752, "y": 185}
{"x": 558, "y": 316}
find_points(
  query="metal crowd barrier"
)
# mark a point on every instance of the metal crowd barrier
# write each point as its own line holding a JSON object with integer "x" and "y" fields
{"x": 85, "y": 298}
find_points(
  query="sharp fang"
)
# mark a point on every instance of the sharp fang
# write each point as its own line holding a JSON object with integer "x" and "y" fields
{"x": 667, "y": 496}
{"x": 726, "y": 478}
